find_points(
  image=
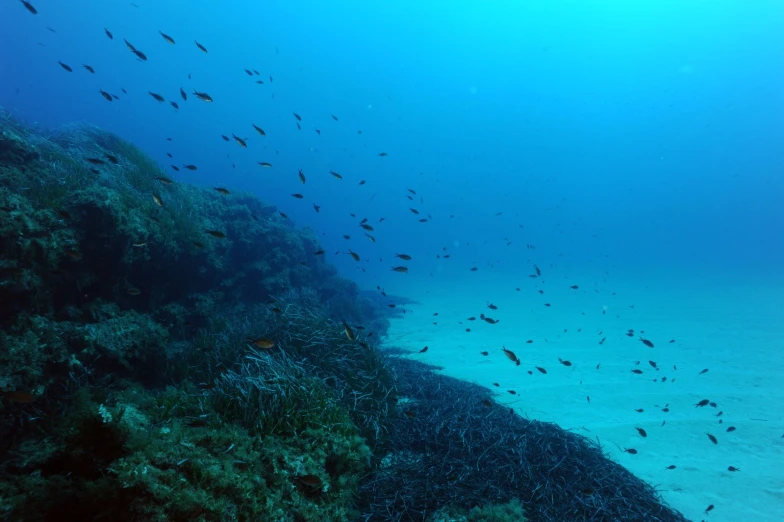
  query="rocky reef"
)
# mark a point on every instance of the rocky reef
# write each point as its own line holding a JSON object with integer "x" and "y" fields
{"x": 171, "y": 352}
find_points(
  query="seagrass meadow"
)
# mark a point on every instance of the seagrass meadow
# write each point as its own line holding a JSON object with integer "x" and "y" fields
{"x": 169, "y": 352}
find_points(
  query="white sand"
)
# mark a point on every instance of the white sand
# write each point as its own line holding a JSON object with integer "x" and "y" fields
{"x": 737, "y": 332}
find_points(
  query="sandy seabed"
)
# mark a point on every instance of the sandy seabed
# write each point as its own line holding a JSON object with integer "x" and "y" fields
{"x": 735, "y": 331}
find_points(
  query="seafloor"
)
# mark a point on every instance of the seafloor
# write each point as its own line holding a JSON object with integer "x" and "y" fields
{"x": 169, "y": 352}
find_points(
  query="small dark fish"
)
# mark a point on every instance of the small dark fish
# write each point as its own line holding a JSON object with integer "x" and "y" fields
{"x": 299, "y": 118}
{"x": 203, "y": 96}
{"x": 703, "y": 402}
{"x": 301, "y": 176}
{"x": 225, "y": 138}
{"x": 703, "y": 371}
{"x": 201, "y": 47}
{"x": 638, "y": 372}
{"x": 89, "y": 69}
{"x": 574, "y": 287}
{"x": 731, "y": 428}
{"x": 106, "y": 95}
{"x": 259, "y": 130}
{"x": 335, "y": 174}
{"x": 140, "y": 55}
{"x": 265, "y": 164}
{"x": 174, "y": 104}
{"x": 631, "y": 451}
{"x": 111, "y": 158}
{"x": 190, "y": 167}
{"x": 423, "y": 350}
{"x": 404, "y": 257}
{"x": 240, "y": 141}
{"x": 95, "y": 161}
{"x": 108, "y": 33}
{"x": 184, "y": 96}
{"x": 334, "y": 117}
{"x": 565, "y": 363}
{"x": 167, "y": 37}
{"x": 541, "y": 370}
{"x": 709, "y": 508}
{"x": 175, "y": 167}
{"x": 671, "y": 466}
{"x": 712, "y": 438}
{"x": 641, "y": 431}
{"x": 733, "y": 468}
{"x": 646, "y": 342}
{"x": 29, "y": 6}
{"x": 155, "y": 95}
{"x": 216, "y": 233}
{"x": 355, "y": 256}
{"x": 64, "y": 66}
{"x": 383, "y": 154}
{"x": 222, "y": 190}
{"x": 298, "y": 196}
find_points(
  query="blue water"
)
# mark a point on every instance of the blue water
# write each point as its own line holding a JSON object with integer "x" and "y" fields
{"x": 614, "y": 137}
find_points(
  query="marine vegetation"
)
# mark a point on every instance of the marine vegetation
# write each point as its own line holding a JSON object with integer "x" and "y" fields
{"x": 175, "y": 353}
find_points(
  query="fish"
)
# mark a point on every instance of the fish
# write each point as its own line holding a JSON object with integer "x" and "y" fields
{"x": 29, "y": 6}
{"x": 335, "y": 174}
{"x": 264, "y": 164}
{"x": 95, "y": 161}
{"x": 64, "y": 66}
{"x": 401, "y": 269}
{"x": 111, "y": 158}
{"x": 367, "y": 227}
{"x": 354, "y": 255}
{"x": 201, "y": 47}
{"x": 319, "y": 253}
{"x": 404, "y": 257}
{"x": 317, "y": 208}
{"x": 298, "y": 196}
{"x": 641, "y": 431}
{"x": 703, "y": 371}
{"x": 240, "y": 141}
{"x": 671, "y": 466}
{"x": 157, "y": 96}
{"x": 175, "y": 167}
{"x": 108, "y": 33}
{"x": 203, "y": 96}
{"x": 174, "y": 104}
{"x": 19, "y": 397}
{"x": 712, "y": 438}
{"x": 89, "y": 68}
{"x": 349, "y": 332}
{"x": 565, "y": 363}
{"x": 541, "y": 370}
{"x": 198, "y": 244}
{"x": 157, "y": 199}
{"x": 167, "y": 37}
{"x": 106, "y": 95}
{"x": 263, "y": 342}
{"x": 646, "y": 342}
{"x": 334, "y": 117}
{"x": 301, "y": 176}
{"x": 733, "y": 468}
{"x": 222, "y": 190}
{"x": 299, "y": 118}
{"x": 184, "y": 96}
{"x": 259, "y": 130}
{"x": 638, "y": 372}
{"x": 133, "y": 291}
{"x": 511, "y": 356}
{"x": 574, "y": 287}
{"x": 216, "y": 233}
{"x": 491, "y": 306}
{"x": 190, "y": 167}
{"x": 631, "y": 451}
{"x": 383, "y": 154}
{"x": 702, "y": 403}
